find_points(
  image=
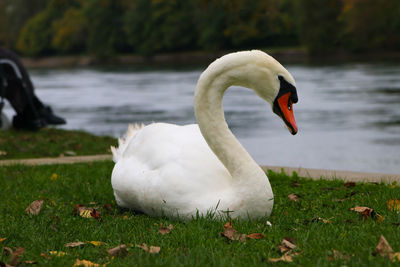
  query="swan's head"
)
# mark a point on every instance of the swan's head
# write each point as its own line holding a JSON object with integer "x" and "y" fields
{"x": 258, "y": 71}
{"x": 272, "y": 82}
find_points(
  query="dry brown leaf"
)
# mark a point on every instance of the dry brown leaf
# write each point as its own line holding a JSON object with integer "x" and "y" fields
{"x": 360, "y": 209}
{"x": 75, "y": 244}
{"x": 45, "y": 255}
{"x": 2, "y": 239}
{"x": 383, "y": 248}
{"x": 286, "y": 246}
{"x": 367, "y": 212}
{"x": 15, "y": 255}
{"x": 349, "y": 184}
{"x": 256, "y": 236}
{"x": 107, "y": 207}
{"x": 338, "y": 256}
{"x": 35, "y": 207}
{"x": 152, "y": 249}
{"x": 293, "y": 197}
{"x": 295, "y": 184}
{"x": 233, "y": 234}
{"x": 87, "y": 212}
{"x": 3, "y": 153}
{"x": 118, "y": 251}
{"x": 86, "y": 263}
{"x": 287, "y": 257}
{"x": 393, "y": 205}
{"x": 165, "y": 230}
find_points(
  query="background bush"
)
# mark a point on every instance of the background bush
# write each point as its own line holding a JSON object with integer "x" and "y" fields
{"x": 146, "y": 27}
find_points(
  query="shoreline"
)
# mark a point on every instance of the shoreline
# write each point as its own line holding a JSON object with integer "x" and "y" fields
{"x": 284, "y": 55}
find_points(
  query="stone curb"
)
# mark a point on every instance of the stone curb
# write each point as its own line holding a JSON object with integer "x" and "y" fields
{"x": 302, "y": 172}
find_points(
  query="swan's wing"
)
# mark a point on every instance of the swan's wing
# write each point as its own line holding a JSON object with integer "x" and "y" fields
{"x": 165, "y": 163}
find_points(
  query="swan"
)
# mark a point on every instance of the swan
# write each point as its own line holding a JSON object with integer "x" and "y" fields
{"x": 183, "y": 171}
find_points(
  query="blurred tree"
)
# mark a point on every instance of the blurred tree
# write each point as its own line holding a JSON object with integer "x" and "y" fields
{"x": 4, "y": 36}
{"x": 319, "y": 26}
{"x": 105, "y": 27}
{"x": 36, "y": 35}
{"x": 211, "y": 23}
{"x": 160, "y": 25}
{"x": 14, "y": 14}
{"x": 70, "y": 32}
{"x": 371, "y": 24}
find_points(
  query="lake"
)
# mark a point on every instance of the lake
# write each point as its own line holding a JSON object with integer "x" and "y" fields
{"x": 348, "y": 114}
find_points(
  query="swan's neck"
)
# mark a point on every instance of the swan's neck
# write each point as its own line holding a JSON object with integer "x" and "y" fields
{"x": 210, "y": 117}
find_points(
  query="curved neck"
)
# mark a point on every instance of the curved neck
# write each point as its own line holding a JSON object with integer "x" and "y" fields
{"x": 210, "y": 117}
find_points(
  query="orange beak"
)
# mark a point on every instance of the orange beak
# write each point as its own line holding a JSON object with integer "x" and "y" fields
{"x": 283, "y": 107}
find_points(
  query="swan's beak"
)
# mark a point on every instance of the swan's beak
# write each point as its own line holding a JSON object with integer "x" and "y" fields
{"x": 283, "y": 107}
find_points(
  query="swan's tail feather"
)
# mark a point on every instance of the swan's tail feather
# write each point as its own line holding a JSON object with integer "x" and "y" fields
{"x": 123, "y": 143}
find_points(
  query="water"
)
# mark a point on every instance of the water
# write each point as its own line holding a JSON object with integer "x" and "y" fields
{"x": 348, "y": 115}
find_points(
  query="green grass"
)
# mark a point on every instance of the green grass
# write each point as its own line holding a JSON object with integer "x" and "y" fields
{"x": 51, "y": 142}
{"x": 192, "y": 243}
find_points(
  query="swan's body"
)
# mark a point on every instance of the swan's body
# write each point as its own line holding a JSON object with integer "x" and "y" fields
{"x": 165, "y": 169}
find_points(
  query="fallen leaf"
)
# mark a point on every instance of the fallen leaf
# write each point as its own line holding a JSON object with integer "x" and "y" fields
{"x": 152, "y": 249}
{"x": 15, "y": 255}
{"x": 85, "y": 263}
{"x": 396, "y": 256}
{"x": 256, "y": 236}
{"x": 349, "y": 184}
{"x": 3, "y": 153}
{"x": 383, "y": 248}
{"x": 286, "y": 246}
{"x": 54, "y": 177}
{"x": 87, "y": 212}
{"x": 2, "y": 239}
{"x": 360, "y": 209}
{"x": 285, "y": 258}
{"x": 295, "y": 184}
{"x": 293, "y": 197}
{"x": 75, "y": 244}
{"x": 165, "y": 230}
{"x": 338, "y": 256}
{"x": 117, "y": 251}
{"x": 97, "y": 243}
{"x": 367, "y": 212}
{"x": 233, "y": 234}
{"x": 346, "y": 197}
{"x": 57, "y": 253}
{"x": 317, "y": 219}
{"x": 45, "y": 255}
{"x": 35, "y": 207}
{"x": 393, "y": 205}
{"x": 107, "y": 207}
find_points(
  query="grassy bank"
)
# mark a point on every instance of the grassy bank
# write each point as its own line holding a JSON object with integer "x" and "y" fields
{"x": 51, "y": 142}
{"x": 317, "y": 220}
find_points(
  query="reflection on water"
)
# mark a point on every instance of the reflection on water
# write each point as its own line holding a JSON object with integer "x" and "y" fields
{"x": 348, "y": 115}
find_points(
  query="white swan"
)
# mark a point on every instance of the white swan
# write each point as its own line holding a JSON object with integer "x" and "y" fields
{"x": 181, "y": 171}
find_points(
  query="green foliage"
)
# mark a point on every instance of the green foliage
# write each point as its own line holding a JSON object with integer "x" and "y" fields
{"x": 371, "y": 24}
{"x": 319, "y": 27}
{"x": 105, "y": 34}
{"x": 70, "y": 32}
{"x": 163, "y": 25}
{"x": 146, "y": 27}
